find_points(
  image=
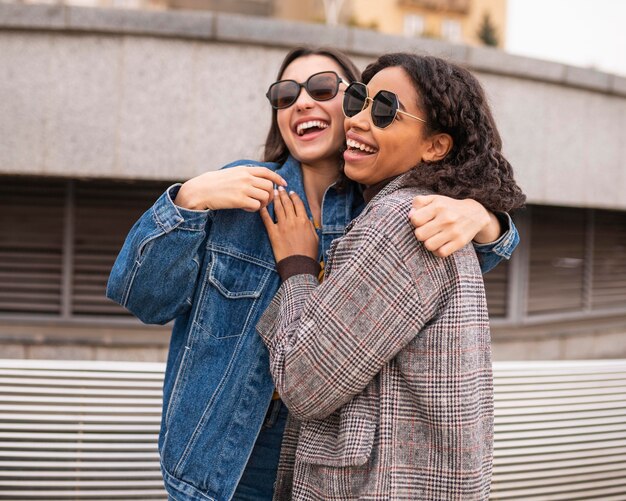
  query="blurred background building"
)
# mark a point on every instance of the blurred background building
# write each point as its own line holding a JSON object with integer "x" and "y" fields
{"x": 472, "y": 22}
{"x": 103, "y": 108}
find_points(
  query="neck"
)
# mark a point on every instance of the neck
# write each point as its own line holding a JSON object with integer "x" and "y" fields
{"x": 316, "y": 179}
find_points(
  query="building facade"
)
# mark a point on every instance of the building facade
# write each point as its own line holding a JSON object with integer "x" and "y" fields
{"x": 456, "y": 21}
{"x": 103, "y": 109}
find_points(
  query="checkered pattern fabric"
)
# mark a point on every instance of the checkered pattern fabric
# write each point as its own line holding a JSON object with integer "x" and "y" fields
{"x": 385, "y": 368}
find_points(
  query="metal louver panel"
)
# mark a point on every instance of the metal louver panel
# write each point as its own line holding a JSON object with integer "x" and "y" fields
{"x": 80, "y": 430}
{"x": 560, "y": 430}
{"x": 31, "y": 246}
{"x": 557, "y": 253}
{"x": 609, "y": 260}
{"x": 88, "y": 430}
{"x": 496, "y": 289}
{"x": 105, "y": 213}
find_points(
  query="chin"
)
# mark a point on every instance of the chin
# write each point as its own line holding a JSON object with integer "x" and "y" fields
{"x": 355, "y": 174}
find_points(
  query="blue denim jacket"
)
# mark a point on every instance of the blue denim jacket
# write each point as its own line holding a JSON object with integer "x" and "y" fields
{"x": 213, "y": 272}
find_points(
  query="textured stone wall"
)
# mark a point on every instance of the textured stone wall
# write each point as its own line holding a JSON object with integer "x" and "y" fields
{"x": 167, "y": 95}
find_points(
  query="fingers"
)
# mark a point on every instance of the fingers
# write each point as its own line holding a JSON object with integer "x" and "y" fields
{"x": 268, "y": 174}
{"x": 287, "y": 203}
{"x": 434, "y": 243}
{"x": 262, "y": 196}
{"x": 263, "y": 184}
{"x": 420, "y": 217}
{"x": 267, "y": 220}
{"x": 298, "y": 205}
{"x": 279, "y": 208}
{"x": 427, "y": 230}
{"x": 446, "y": 249}
{"x": 422, "y": 201}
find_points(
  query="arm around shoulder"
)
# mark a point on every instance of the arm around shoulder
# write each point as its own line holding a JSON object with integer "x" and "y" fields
{"x": 492, "y": 253}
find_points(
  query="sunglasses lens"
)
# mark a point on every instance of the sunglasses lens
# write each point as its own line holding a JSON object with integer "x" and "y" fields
{"x": 283, "y": 94}
{"x": 354, "y": 99}
{"x": 323, "y": 86}
{"x": 384, "y": 109}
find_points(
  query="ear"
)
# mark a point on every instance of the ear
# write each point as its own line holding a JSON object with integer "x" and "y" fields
{"x": 439, "y": 145}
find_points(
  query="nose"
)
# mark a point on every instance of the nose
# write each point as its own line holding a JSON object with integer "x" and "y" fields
{"x": 362, "y": 120}
{"x": 304, "y": 101}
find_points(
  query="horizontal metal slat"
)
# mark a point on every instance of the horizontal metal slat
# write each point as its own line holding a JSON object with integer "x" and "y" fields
{"x": 84, "y": 484}
{"x": 573, "y": 490}
{"x": 550, "y": 463}
{"x": 102, "y": 466}
{"x": 81, "y": 475}
{"x": 70, "y": 382}
{"x": 518, "y": 448}
{"x": 22, "y": 416}
{"x": 71, "y": 400}
{"x": 578, "y": 432}
{"x": 35, "y": 438}
{"x": 78, "y": 426}
{"x": 71, "y": 494}
{"x": 558, "y": 473}
{"x": 80, "y": 446}
{"x": 32, "y": 390}
{"x": 551, "y": 456}
{"x": 565, "y": 423}
{"x": 81, "y": 454}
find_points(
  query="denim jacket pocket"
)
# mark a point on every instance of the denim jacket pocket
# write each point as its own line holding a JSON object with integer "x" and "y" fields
{"x": 340, "y": 440}
{"x": 234, "y": 283}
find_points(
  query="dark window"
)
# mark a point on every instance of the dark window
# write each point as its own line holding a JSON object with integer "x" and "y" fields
{"x": 609, "y": 260}
{"x": 59, "y": 239}
{"x": 31, "y": 246}
{"x": 557, "y": 260}
{"x": 496, "y": 289}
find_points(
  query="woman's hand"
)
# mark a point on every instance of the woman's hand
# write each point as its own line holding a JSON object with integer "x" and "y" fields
{"x": 247, "y": 188}
{"x": 293, "y": 233}
{"x": 445, "y": 224}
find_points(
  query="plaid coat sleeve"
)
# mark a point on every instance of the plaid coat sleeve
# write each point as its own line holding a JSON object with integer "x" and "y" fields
{"x": 328, "y": 341}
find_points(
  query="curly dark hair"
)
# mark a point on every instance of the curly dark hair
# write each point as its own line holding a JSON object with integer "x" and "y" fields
{"x": 454, "y": 103}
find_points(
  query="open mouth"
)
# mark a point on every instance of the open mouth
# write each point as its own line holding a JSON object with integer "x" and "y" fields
{"x": 360, "y": 148}
{"x": 304, "y": 128}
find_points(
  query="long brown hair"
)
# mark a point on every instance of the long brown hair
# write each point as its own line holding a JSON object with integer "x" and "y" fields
{"x": 454, "y": 103}
{"x": 275, "y": 147}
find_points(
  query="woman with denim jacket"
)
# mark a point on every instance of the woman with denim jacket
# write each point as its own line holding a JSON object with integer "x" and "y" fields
{"x": 201, "y": 257}
{"x": 386, "y": 365}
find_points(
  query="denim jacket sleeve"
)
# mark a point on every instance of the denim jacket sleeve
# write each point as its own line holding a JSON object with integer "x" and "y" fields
{"x": 490, "y": 255}
{"x": 155, "y": 273}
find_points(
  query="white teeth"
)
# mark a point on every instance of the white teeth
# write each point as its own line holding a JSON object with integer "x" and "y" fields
{"x": 360, "y": 146}
{"x": 307, "y": 125}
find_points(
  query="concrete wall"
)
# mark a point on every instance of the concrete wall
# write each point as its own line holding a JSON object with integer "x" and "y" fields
{"x": 167, "y": 95}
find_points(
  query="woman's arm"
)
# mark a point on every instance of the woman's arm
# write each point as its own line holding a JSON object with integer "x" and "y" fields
{"x": 328, "y": 341}
{"x": 156, "y": 271}
{"x": 445, "y": 225}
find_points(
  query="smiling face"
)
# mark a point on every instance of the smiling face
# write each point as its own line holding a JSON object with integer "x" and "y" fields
{"x": 375, "y": 154}
{"x": 312, "y": 130}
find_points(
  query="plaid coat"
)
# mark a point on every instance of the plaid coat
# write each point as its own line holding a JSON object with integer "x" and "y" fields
{"x": 385, "y": 368}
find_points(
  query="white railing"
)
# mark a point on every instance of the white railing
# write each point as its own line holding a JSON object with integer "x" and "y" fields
{"x": 88, "y": 430}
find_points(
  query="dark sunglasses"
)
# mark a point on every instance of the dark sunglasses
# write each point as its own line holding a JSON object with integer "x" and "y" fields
{"x": 321, "y": 86}
{"x": 385, "y": 105}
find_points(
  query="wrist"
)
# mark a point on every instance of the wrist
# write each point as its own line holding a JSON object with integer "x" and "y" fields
{"x": 297, "y": 265}
{"x": 186, "y": 200}
{"x": 490, "y": 231}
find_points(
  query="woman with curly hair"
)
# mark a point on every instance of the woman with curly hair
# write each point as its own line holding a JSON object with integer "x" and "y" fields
{"x": 386, "y": 365}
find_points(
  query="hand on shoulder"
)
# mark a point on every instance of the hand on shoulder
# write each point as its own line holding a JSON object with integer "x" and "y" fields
{"x": 445, "y": 224}
{"x": 243, "y": 187}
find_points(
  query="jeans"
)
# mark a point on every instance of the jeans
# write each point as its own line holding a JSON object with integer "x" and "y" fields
{"x": 257, "y": 481}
